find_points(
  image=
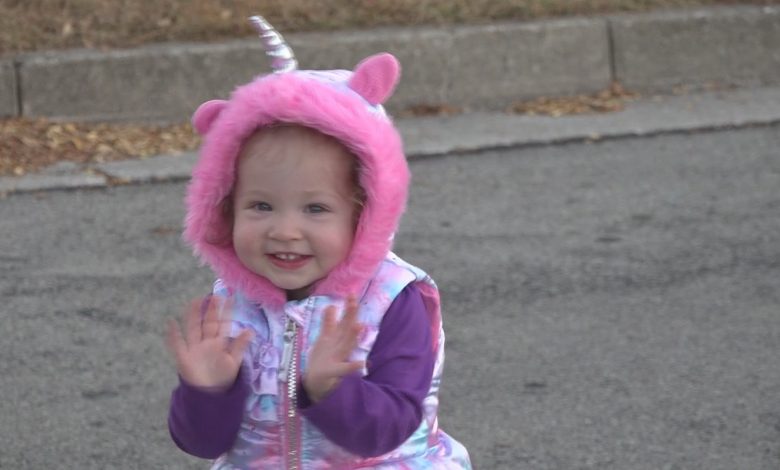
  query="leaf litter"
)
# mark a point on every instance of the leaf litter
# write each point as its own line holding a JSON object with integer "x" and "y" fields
{"x": 30, "y": 145}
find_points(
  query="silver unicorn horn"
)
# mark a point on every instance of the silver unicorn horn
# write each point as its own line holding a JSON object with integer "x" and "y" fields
{"x": 282, "y": 57}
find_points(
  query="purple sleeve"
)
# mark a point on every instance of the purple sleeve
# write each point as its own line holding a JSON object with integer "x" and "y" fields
{"x": 205, "y": 424}
{"x": 372, "y": 415}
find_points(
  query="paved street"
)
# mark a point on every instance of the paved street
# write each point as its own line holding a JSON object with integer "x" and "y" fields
{"x": 610, "y": 305}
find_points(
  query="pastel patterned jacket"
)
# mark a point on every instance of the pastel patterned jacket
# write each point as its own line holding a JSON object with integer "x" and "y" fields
{"x": 274, "y": 436}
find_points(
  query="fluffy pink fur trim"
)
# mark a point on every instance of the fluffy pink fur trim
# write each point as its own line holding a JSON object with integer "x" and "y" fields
{"x": 296, "y": 98}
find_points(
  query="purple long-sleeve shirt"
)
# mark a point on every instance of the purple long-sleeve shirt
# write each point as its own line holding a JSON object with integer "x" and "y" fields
{"x": 366, "y": 415}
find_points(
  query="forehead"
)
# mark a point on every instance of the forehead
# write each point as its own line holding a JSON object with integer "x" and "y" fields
{"x": 294, "y": 142}
{"x": 279, "y": 151}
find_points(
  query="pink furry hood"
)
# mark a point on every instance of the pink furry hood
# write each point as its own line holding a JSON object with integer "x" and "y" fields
{"x": 345, "y": 105}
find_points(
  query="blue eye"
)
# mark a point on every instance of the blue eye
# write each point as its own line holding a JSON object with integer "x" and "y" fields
{"x": 316, "y": 208}
{"x": 261, "y": 206}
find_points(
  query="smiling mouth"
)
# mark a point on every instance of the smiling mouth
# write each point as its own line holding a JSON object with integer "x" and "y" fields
{"x": 288, "y": 260}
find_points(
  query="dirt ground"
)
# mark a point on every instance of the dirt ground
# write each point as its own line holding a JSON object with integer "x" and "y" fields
{"x": 29, "y": 25}
{"x": 27, "y": 146}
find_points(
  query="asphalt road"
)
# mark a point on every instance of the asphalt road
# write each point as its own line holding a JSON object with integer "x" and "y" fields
{"x": 610, "y": 305}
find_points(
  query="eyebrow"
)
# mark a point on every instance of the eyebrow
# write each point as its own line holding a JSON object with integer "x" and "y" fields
{"x": 253, "y": 192}
{"x": 319, "y": 192}
{"x": 313, "y": 194}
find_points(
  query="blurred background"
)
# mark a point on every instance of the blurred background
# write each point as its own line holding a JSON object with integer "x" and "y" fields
{"x": 32, "y": 138}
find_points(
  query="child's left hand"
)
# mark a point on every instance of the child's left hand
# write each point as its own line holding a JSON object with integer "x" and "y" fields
{"x": 328, "y": 360}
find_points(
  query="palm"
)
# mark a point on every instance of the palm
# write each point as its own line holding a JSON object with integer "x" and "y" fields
{"x": 205, "y": 356}
{"x": 329, "y": 357}
{"x": 208, "y": 362}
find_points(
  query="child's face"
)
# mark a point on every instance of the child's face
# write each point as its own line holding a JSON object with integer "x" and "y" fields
{"x": 294, "y": 207}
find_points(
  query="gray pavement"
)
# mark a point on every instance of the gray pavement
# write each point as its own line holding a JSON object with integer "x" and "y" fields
{"x": 609, "y": 305}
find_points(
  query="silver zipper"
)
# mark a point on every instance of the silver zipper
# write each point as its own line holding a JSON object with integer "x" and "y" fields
{"x": 289, "y": 374}
{"x": 287, "y": 352}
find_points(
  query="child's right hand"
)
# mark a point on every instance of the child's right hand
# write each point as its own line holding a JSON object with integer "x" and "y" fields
{"x": 205, "y": 357}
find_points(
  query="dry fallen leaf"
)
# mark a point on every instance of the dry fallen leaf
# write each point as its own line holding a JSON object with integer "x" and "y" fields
{"x": 606, "y": 101}
{"x": 429, "y": 110}
{"x": 28, "y": 145}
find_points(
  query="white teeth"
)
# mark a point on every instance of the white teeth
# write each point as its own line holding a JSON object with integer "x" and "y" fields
{"x": 287, "y": 256}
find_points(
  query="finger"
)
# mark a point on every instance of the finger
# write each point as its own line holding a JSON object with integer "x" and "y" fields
{"x": 350, "y": 317}
{"x": 210, "y": 325}
{"x": 225, "y": 317}
{"x": 174, "y": 341}
{"x": 192, "y": 328}
{"x": 349, "y": 340}
{"x": 350, "y": 311}
{"x": 354, "y": 337}
{"x": 349, "y": 328}
{"x": 329, "y": 322}
{"x": 237, "y": 348}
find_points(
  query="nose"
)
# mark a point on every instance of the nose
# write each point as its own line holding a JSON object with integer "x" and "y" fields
{"x": 285, "y": 227}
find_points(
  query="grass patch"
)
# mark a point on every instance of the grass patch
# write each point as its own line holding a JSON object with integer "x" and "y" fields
{"x": 28, "y": 25}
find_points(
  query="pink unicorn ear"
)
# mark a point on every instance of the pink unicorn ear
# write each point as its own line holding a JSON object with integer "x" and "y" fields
{"x": 205, "y": 114}
{"x": 375, "y": 77}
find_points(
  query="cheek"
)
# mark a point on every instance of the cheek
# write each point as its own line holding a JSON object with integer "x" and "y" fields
{"x": 342, "y": 239}
{"x": 242, "y": 237}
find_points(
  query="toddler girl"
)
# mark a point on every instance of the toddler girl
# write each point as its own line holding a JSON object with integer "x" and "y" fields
{"x": 318, "y": 348}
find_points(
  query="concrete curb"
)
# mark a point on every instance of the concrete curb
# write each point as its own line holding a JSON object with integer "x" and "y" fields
{"x": 474, "y": 67}
{"x": 9, "y": 95}
{"x": 738, "y": 46}
{"x": 434, "y": 136}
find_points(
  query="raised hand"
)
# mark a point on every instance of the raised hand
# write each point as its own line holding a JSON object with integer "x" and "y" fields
{"x": 329, "y": 357}
{"x": 205, "y": 357}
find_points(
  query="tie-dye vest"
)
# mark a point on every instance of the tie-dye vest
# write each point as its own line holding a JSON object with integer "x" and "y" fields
{"x": 270, "y": 439}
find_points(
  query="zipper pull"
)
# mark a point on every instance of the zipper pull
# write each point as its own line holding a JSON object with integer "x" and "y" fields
{"x": 287, "y": 352}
